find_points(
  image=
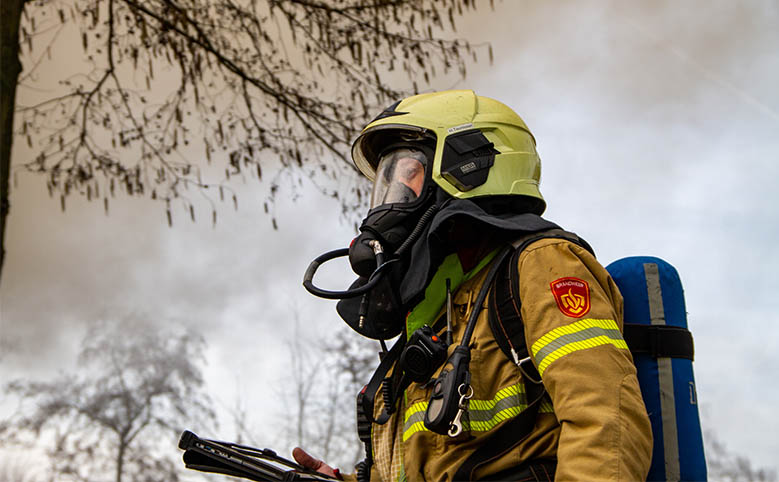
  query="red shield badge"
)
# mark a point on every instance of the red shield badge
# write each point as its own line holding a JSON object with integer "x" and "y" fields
{"x": 572, "y": 296}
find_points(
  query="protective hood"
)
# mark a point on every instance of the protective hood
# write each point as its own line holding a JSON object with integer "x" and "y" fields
{"x": 434, "y": 245}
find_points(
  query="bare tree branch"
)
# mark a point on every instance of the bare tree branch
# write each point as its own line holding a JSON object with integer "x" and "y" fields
{"x": 133, "y": 389}
{"x": 260, "y": 80}
{"x": 324, "y": 380}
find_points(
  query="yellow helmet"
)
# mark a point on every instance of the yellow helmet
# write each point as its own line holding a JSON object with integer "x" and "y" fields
{"x": 482, "y": 147}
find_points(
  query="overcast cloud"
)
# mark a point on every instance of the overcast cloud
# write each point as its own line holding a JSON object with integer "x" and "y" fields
{"x": 658, "y": 128}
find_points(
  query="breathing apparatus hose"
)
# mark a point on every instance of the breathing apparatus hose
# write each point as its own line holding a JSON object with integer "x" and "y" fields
{"x": 412, "y": 238}
{"x": 308, "y": 277}
{"x": 381, "y": 265}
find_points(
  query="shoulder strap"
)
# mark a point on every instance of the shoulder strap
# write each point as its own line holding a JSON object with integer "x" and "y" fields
{"x": 505, "y": 316}
{"x": 505, "y": 320}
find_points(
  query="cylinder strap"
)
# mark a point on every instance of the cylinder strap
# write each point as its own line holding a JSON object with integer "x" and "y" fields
{"x": 659, "y": 341}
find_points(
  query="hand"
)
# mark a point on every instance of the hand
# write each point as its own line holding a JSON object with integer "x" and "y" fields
{"x": 303, "y": 458}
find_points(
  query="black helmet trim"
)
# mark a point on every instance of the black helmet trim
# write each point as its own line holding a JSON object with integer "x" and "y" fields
{"x": 389, "y": 112}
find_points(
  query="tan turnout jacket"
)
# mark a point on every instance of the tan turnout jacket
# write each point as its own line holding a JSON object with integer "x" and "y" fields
{"x": 593, "y": 422}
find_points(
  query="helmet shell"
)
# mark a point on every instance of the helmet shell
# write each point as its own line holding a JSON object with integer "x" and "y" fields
{"x": 437, "y": 118}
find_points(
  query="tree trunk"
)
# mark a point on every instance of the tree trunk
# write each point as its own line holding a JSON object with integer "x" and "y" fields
{"x": 10, "y": 67}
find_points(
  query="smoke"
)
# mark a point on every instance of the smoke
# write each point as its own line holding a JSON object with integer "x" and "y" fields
{"x": 656, "y": 123}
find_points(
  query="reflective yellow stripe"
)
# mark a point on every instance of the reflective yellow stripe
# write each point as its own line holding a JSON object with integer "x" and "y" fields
{"x": 414, "y": 419}
{"x": 415, "y": 427}
{"x": 482, "y": 415}
{"x": 416, "y": 408}
{"x": 580, "y": 335}
{"x": 485, "y": 425}
{"x": 513, "y": 390}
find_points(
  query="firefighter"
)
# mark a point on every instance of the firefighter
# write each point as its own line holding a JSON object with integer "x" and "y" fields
{"x": 550, "y": 395}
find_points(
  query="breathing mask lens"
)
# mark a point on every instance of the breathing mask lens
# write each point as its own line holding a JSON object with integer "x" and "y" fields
{"x": 400, "y": 177}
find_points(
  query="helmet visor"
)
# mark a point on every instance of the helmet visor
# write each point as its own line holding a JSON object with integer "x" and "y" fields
{"x": 400, "y": 177}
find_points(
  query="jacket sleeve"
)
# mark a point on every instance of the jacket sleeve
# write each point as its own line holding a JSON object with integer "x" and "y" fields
{"x": 572, "y": 312}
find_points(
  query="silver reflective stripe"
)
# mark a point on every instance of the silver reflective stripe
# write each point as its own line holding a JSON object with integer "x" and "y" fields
{"x": 582, "y": 335}
{"x": 665, "y": 376}
{"x": 416, "y": 417}
{"x": 518, "y": 402}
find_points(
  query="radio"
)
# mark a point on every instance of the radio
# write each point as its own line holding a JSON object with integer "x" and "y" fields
{"x": 423, "y": 354}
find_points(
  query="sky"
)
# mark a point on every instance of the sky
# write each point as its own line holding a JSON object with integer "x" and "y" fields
{"x": 658, "y": 128}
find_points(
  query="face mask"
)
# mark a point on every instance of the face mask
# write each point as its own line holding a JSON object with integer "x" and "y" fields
{"x": 400, "y": 208}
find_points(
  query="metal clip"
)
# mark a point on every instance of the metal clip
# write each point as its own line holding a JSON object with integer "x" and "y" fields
{"x": 377, "y": 248}
{"x": 456, "y": 427}
{"x": 524, "y": 372}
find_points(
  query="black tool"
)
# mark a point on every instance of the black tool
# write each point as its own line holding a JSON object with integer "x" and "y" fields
{"x": 228, "y": 458}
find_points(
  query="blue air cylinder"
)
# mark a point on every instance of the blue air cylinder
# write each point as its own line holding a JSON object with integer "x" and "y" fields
{"x": 656, "y": 332}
